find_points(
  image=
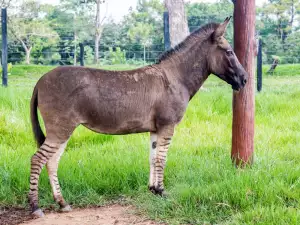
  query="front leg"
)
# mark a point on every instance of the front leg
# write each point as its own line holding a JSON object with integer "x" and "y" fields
{"x": 152, "y": 156}
{"x": 159, "y": 155}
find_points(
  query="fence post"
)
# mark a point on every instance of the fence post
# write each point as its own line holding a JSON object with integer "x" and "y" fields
{"x": 4, "y": 46}
{"x": 167, "y": 31}
{"x": 243, "y": 101}
{"x": 259, "y": 65}
{"x": 81, "y": 54}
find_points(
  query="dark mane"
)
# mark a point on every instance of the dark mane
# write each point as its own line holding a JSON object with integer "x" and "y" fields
{"x": 197, "y": 34}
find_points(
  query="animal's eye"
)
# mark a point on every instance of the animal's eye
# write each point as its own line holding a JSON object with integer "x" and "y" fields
{"x": 229, "y": 52}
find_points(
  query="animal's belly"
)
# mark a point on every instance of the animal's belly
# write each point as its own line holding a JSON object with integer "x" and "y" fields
{"x": 113, "y": 112}
{"x": 125, "y": 127}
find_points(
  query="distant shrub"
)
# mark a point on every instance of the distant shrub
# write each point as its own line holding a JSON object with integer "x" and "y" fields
{"x": 117, "y": 57}
{"x": 9, "y": 68}
{"x": 88, "y": 55}
{"x": 135, "y": 62}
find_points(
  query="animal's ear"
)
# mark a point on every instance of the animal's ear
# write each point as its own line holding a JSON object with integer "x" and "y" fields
{"x": 219, "y": 32}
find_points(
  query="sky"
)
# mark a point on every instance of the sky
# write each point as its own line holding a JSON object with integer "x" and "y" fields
{"x": 118, "y": 8}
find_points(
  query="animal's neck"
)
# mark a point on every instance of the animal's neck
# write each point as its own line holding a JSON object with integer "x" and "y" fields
{"x": 189, "y": 67}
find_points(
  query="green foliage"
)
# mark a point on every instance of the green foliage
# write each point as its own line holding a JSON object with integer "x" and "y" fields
{"x": 9, "y": 69}
{"x": 53, "y": 31}
{"x": 292, "y": 52}
{"x": 276, "y": 57}
{"x": 144, "y": 28}
{"x": 31, "y": 31}
{"x": 278, "y": 23}
{"x": 202, "y": 13}
{"x": 141, "y": 32}
{"x": 203, "y": 186}
{"x": 88, "y": 55}
{"x": 118, "y": 56}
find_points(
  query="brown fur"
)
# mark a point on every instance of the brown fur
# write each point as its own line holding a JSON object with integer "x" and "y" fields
{"x": 150, "y": 99}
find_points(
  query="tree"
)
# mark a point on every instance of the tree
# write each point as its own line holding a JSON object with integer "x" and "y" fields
{"x": 278, "y": 24}
{"x": 30, "y": 29}
{"x": 202, "y": 13}
{"x": 31, "y": 34}
{"x": 141, "y": 32}
{"x": 284, "y": 12}
{"x": 98, "y": 28}
{"x": 149, "y": 12}
{"x": 78, "y": 19}
{"x": 80, "y": 10}
{"x": 6, "y": 3}
{"x": 74, "y": 23}
{"x": 179, "y": 29}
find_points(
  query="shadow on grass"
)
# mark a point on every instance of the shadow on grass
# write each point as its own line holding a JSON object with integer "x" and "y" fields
{"x": 90, "y": 138}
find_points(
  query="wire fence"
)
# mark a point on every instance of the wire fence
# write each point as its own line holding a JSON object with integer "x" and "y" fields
{"x": 63, "y": 46}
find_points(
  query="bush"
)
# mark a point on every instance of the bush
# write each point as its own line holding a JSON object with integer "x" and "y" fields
{"x": 117, "y": 57}
{"x": 89, "y": 55}
{"x": 9, "y": 68}
{"x": 135, "y": 62}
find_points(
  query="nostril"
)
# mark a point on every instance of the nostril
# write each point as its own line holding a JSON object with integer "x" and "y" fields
{"x": 244, "y": 81}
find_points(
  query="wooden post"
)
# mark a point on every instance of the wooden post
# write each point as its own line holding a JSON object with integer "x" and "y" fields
{"x": 4, "y": 46}
{"x": 243, "y": 101}
{"x": 259, "y": 66}
{"x": 81, "y": 54}
{"x": 167, "y": 31}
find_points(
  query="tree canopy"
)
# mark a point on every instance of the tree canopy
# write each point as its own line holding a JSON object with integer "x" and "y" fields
{"x": 50, "y": 34}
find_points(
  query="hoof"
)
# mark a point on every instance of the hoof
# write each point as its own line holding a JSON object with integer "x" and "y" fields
{"x": 164, "y": 194}
{"x": 158, "y": 191}
{"x": 66, "y": 208}
{"x": 37, "y": 214}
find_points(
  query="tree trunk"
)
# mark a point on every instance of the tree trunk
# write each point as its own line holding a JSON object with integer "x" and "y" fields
{"x": 97, "y": 32}
{"x": 144, "y": 54}
{"x": 273, "y": 66}
{"x": 27, "y": 51}
{"x": 75, "y": 47}
{"x": 290, "y": 24}
{"x": 75, "y": 40}
{"x": 96, "y": 55}
{"x": 292, "y": 13}
{"x": 27, "y": 59}
{"x": 179, "y": 29}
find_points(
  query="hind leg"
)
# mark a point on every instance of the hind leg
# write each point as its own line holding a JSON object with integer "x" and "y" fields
{"x": 52, "y": 167}
{"x": 53, "y": 146}
{"x": 38, "y": 160}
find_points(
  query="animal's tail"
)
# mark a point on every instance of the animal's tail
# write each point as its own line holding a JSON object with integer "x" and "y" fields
{"x": 36, "y": 127}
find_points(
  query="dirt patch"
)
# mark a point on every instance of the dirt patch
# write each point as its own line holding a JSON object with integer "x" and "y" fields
{"x": 13, "y": 216}
{"x": 109, "y": 215}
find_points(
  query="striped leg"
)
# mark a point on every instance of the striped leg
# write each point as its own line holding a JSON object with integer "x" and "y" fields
{"x": 38, "y": 160}
{"x": 153, "y": 143}
{"x": 52, "y": 166}
{"x": 163, "y": 141}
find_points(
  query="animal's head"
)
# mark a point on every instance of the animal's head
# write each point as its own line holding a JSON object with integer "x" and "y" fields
{"x": 222, "y": 60}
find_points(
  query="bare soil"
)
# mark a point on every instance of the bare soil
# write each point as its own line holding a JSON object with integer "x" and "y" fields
{"x": 108, "y": 215}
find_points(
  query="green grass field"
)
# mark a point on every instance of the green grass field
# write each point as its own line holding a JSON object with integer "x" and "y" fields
{"x": 204, "y": 187}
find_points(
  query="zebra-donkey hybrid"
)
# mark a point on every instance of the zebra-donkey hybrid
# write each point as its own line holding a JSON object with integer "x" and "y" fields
{"x": 150, "y": 99}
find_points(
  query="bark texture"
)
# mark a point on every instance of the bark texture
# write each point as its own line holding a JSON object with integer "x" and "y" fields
{"x": 243, "y": 101}
{"x": 179, "y": 29}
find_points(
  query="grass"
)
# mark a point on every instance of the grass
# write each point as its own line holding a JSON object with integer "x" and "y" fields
{"x": 203, "y": 186}
{"x": 283, "y": 70}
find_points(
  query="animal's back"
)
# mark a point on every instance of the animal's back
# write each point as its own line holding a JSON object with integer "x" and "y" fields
{"x": 105, "y": 101}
